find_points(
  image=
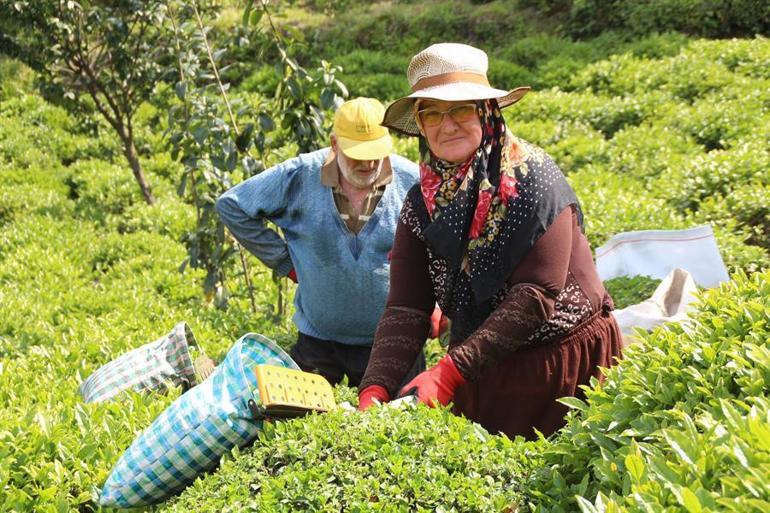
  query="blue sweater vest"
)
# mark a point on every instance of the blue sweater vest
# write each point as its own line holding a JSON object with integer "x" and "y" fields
{"x": 343, "y": 277}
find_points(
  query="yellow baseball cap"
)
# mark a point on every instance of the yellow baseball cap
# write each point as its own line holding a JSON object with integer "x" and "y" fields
{"x": 359, "y": 133}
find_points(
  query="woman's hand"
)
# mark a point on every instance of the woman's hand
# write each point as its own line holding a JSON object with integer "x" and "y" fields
{"x": 437, "y": 384}
{"x": 367, "y": 396}
{"x": 439, "y": 323}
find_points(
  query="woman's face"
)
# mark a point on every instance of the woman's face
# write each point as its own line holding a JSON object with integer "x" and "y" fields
{"x": 457, "y": 133}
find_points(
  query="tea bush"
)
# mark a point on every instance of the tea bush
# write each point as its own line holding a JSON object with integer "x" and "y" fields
{"x": 374, "y": 74}
{"x": 649, "y": 151}
{"x": 418, "y": 25}
{"x": 749, "y": 58}
{"x": 657, "y": 45}
{"x": 88, "y": 271}
{"x": 100, "y": 188}
{"x": 536, "y": 49}
{"x": 679, "y": 141}
{"x": 718, "y": 173}
{"x": 74, "y": 297}
{"x": 166, "y": 217}
{"x": 748, "y": 206}
{"x": 572, "y": 144}
{"x": 44, "y": 135}
{"x": 392, "y": 460}
{"x": 619, "y": 75}
{"x": 521, "y": 51}
{"x": 32, "y": 191}
{"x": 614, "y": 203}
{"x": 707, "y": 18}
{"x": 262, "y": 80}
{"x": 717, "y": 127}
{"x": 630, "y": 290}
{"x": 76, "y": 292}
{"x": 15, "y": 78}
{"x": 681, "y": 423}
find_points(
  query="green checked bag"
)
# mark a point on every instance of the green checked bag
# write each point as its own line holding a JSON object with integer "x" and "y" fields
{"x": 151, "y": 367}
{"x": 195, "y": 431}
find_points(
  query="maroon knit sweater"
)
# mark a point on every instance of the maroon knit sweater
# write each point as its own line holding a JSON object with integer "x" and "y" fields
{"x": 553, "y": 289}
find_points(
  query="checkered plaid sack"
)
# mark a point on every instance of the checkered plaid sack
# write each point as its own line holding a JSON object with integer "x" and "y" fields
{"x": 150, "y": 367}
{"x": 193, "y": 433}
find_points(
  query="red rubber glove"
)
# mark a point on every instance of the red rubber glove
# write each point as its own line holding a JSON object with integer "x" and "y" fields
{"x": 292, "y": 275}
{"x": 437, "y": 384}
{"x": 367, "y": 396}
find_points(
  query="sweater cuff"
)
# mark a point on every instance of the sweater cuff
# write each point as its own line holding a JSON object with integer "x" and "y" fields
{"x": 400, "y": 336}
{"x": 284, "y": 266}
{"x": 522, "y": 312}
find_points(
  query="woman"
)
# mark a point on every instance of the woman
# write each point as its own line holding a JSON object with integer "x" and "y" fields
{"x": 493, "y": 233}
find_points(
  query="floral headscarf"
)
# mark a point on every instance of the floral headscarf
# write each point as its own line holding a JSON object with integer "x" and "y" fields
{"x": 487, "y": 212}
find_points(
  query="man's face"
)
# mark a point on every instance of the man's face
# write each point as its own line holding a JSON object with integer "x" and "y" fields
{"x": 361, "y": 174}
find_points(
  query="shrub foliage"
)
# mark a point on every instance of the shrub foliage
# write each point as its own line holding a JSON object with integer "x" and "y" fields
{"x": 661, "y": 132}
{"x": 682, "y": 423}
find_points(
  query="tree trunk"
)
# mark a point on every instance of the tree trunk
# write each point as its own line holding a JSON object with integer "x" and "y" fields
{"x": 129, "y": 150}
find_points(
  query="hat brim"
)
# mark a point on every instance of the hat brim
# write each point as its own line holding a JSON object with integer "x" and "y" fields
{"x": 375, "y": 149}
{"x": 399, "y": 115}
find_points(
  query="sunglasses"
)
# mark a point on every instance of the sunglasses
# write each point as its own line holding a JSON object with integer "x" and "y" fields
{"x": 459, "y": 113}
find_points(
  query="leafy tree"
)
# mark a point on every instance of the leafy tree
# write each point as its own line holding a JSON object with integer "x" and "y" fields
{"x": 222, "y": 137}
{"x": 206, "y": 135}
{"x": 102, "y": 55}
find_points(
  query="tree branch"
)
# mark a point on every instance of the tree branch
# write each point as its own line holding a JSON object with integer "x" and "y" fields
{"x": 214, "y": 68}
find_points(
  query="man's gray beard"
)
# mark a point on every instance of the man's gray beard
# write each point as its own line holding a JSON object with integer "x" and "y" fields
{"x": 350, "y": 174}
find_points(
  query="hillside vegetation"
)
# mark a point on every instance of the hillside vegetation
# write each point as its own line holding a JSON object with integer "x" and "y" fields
{"x": 655, "y": 131}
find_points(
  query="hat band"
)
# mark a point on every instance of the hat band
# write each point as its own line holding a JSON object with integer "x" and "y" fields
{"x": 450, "y": 78}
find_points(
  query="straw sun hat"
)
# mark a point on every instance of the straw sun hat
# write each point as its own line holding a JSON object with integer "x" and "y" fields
{"x": 449, "y": 72}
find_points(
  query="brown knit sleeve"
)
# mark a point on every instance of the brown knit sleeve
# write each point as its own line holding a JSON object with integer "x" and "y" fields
{"x": 405, "y": 324}
{"x": 535, "y": 283}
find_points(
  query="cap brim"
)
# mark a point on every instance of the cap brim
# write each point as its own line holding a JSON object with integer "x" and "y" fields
{"x": 366, "y": 150}
{"x": 399, "y": 115}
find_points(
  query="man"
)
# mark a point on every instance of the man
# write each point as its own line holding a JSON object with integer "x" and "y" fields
{"x": 337, "y": 208}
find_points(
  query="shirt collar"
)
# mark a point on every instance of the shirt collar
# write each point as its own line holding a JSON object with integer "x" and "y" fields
{"x": 330, "y": 172}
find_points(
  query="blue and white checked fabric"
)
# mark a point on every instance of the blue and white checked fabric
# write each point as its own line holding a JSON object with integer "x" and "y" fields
{"x": 149, "y": 367}
{"x": 193, "y": 433}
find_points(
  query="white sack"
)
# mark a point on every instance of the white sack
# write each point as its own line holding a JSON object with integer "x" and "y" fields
{"x": 656, "y": 253}
{"x": 670, "y": 302}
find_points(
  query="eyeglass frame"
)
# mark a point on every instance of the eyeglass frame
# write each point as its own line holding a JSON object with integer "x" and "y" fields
{"x": 442, "y": 112}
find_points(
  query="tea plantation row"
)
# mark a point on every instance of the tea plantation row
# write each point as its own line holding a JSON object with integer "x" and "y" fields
{"x": 88, "y": 271}
{"x": 682, "y": 424}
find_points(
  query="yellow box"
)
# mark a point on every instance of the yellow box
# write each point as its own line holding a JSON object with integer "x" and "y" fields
{"x": 289, "y": 393}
